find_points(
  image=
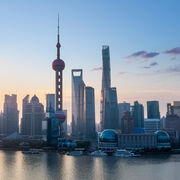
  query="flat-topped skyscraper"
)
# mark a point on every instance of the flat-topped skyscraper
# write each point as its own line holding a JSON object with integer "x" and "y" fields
{"x": 153, "y": 110}
{"x": 10, "y": 115}
{"x": 77, "y": 102}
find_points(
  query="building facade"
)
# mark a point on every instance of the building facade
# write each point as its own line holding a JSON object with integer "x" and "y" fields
{"x": 10, "y": 115}
{"x": 151, "y": 125}
{"x": 50, "y": 102}
{"x": 108, "y": 103}
{"x": 114, "y": 113}
{"x": 127, "y": 123}
{"x": 32, "y": 116}
{"x": 137, "y": 111}
{"x": 109, "y": 141}
{"x": 173, "y": 108}
{"x": 153, "y": 110}
{"x": 172, "y": 122}
{"x": 106, "y": 84}
{"x": 137, "y": 141}
{"x": 123, "y": 107}
{"x": 1, "y": 123}
{"x": 89, "y": 113}
{"x": 77, "y": 103}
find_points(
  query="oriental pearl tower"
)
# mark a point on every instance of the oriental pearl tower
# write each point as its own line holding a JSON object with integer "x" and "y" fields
{"x": 58, "y": 66}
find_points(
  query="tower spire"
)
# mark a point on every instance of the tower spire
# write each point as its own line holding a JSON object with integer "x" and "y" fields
{"x": 58, "y": 43}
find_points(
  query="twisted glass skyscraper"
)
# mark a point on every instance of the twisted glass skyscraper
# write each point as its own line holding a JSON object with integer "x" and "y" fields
{"x": 109, "y": 106}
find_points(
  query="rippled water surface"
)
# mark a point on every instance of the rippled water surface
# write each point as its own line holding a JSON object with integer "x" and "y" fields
{"x": 15, "y": 165}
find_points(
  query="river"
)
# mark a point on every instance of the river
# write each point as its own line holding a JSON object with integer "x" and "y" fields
{"x": 52, "y": 166}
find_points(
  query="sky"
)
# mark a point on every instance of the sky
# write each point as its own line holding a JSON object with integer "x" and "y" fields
{"x": 144, "y": 45}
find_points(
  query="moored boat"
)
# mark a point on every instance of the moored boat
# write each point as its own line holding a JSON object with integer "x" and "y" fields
{"x": 123, "y": 153}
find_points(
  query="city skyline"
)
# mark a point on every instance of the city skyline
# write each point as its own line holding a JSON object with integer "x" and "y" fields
{"x": 144, "y": 61}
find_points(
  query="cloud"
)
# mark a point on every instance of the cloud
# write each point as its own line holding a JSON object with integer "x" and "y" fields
{"x": 175, "y": 69}
{"x": 137, "y": 54}
{"x": 96, "y": 69}
{"x": 146, "y": 67}
{"x": 151, "y": 65}
{"x": 150, "y": 55}
{"x": 174, "y": 51}
{"x": 142, "y": 54}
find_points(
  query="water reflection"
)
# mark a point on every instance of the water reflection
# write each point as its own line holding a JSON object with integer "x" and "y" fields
{"x": 53, "y": 166}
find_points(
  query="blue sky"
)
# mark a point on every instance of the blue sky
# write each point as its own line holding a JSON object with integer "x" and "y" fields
{"x": 28, "y": 38}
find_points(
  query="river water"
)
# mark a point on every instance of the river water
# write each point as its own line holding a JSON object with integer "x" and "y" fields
{"x": 52, "y": 166}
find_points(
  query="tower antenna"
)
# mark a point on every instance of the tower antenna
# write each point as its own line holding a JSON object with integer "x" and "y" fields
{"x": 58, "y": 43}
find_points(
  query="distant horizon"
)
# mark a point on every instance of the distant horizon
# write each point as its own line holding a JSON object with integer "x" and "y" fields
{"x": 143, "y": 39}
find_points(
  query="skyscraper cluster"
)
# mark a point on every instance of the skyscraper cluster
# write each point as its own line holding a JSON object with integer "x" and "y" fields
{"x": 124, "y": 117}
{"x": 32, "y": 116}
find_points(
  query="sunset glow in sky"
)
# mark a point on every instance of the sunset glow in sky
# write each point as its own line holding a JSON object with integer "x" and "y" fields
{"x": 144, "y": 45}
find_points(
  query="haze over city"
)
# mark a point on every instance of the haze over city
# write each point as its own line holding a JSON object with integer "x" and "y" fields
{"x": 143, "y": 39}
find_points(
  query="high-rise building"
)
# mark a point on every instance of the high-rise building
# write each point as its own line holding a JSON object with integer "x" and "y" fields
{"x": 106, "y": 84}
{"x": 123, "y": 107}
{"x": 50, "y": 107}
{"x": 10, "y": 115}
{"x": 65, "y": 125}
{"x": 153, "y": 110}
{"x": 173, "y": 108}
{"x": 172, "y": 120}
{"x": 127, "y": 124}
{"x": 109, "y": 107}
{"x": 50, "y": 102}
{"x": 56, "y": 119}
{"x": 32, "y": 116}
{"x": 114, "y": 113}
{"x": 1, "y": 123}
{"x": 89, "y": 113}
{"x": 137, "y": 112}
{"x": 78, "y": 86}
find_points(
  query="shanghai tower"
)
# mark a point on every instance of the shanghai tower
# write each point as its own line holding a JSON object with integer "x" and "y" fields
{"x": 106, "y": 84}
{"x": 108, "y": 103}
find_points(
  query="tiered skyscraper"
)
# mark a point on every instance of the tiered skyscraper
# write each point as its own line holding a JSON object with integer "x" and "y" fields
{"x": 32, "y": 116}
{"x": 10, "y": 115}
{"x": 109, "y": 106}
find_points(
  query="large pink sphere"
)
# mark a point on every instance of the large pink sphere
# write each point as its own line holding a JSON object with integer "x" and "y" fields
{"x": 61, "y": 116}
{"x": 58, "y": 65}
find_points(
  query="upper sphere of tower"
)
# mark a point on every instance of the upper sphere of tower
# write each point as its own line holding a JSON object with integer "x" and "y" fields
{"x": 58, "y": 65}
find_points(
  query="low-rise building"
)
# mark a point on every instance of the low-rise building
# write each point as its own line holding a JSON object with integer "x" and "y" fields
{"x": 109, "y": 140}
{"x": 137, "y": 141}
